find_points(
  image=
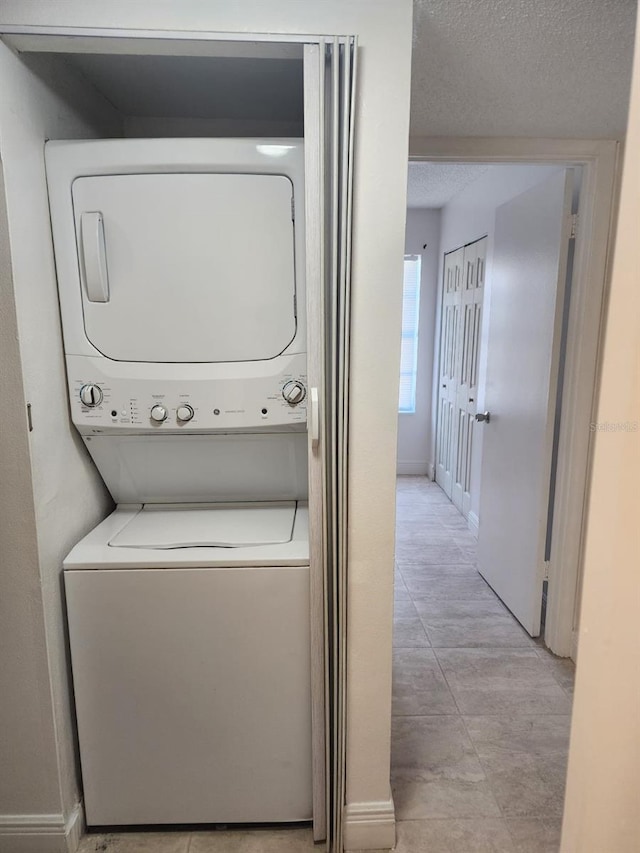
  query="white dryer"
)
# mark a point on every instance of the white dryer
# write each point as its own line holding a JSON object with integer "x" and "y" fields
{"x": 180, "y": 270}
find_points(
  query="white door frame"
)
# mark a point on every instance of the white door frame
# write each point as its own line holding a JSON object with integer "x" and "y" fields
{"x": 599, "y": 159}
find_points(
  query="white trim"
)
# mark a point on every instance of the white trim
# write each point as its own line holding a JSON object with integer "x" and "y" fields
{"x": 599, "y": 159}
{"x": 431, "y": 471}
{"x": 43, "y": 39}
{"x": 369, "y": 826}
{"x": 413, "y": 468}
{"x": 41, "y": 833}
{"x": 473, "y": 523}
{"x": 75, "y": 828}
{"x": 314, "y": 258}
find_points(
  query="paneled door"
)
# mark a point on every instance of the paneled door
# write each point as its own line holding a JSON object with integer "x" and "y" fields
{"x": 527, "y": 297}
{"x": 468, "y": 350}
{"x": 448, "y": 386}
{"x": 463, "y": 291}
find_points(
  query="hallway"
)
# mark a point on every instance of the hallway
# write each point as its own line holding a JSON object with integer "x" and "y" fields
{"x": 481, "y": 712}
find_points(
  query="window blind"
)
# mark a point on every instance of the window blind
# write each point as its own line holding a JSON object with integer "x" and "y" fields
{"x": 409, "y": 352}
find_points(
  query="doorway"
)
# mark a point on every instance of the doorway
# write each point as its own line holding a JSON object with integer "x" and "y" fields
{"x": 473, "y": 161}
{"x": 481, "y": 710}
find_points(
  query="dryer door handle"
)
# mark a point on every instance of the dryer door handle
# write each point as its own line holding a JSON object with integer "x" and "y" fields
{"x": 314, "y": 418}
{"x": 94, "y": 256}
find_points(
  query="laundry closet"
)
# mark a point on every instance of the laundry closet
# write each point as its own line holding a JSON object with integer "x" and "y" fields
{"x": 107, "y": 111}
{"x": 194, "y": 610}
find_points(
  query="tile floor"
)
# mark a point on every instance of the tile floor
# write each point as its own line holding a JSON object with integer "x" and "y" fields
{"x": 216, "y": 841}
{"x": 202, "y": 841}
{"x": 480, "y": 710}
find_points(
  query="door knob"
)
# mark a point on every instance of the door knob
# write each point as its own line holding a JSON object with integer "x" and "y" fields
{"x": 483, "y": 416}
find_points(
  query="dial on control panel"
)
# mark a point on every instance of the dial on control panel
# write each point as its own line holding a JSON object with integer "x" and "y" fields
{"x": 294, "y": 392}
{"x": 90, "y": 395}
{"x": 158, "y": 414}
{"x": 184, "y": 412}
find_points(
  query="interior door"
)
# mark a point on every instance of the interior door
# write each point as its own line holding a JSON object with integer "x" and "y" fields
{"x": 468, "y": 354}
{"x": 448, "y": 385}
{"x": 527, "y": 291}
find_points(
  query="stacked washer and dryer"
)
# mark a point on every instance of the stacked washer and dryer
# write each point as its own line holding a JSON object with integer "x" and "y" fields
{"x": 181, "y": 279}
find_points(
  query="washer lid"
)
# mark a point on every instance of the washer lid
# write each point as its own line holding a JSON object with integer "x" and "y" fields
{"x": 235, "y": 525}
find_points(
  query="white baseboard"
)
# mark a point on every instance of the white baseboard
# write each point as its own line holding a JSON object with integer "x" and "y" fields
{"x": 369, "y": 826}
{"x": 75, "y": 828}
{"x": 431, "y": 471}
{"x": 41, "y": 833}
{"x": 474, "y": 523}
{"x": 412, "y": 468}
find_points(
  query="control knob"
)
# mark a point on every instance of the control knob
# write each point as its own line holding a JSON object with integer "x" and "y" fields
{"x": 184, "y": 412}
{"x": 294, "y": 392}
{"x": 158, "y": 414}
{"x": 91, "y": 395}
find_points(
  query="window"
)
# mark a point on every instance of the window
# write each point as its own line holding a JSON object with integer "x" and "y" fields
{"x": 409, "y": 353}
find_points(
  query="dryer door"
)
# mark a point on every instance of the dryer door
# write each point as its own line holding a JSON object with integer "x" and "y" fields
{"x": 186, "y": 267}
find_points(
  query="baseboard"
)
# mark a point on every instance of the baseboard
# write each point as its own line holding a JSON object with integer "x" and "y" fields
{"x": 431, "y": 471}
{"x": 474, "y": 523}
{"x": 369, "y": 826}
{"x": 75, "y": 828}
{"x": 412, "y": 469}
{"x": 41, "y": 833}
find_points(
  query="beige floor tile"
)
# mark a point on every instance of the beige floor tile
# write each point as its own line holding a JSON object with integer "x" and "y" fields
{"x": 430, "y": 552}
{"x": 419, "y": 687}
{"x": 470, "y": 624}
{"x": 525, "y": 759}
{"x": 453, "y": 836}
{"x": 409, "y": 633}
{"x": 448, "y": 586}
{"x": 253, "y": 841}
{"x": 435, "y": 771}
{"x": 419, "y": 569}
{"x": 404, "y": 609}
{"x": 431, "y": 608}
{"x": 540, "y": 835}
{"x": 501, "y": 681}
{"x": 562, "y": 669}
{"x": 135, "y": 842}
{"x": 536, "y": 733}
{"x": 526, "y": 784}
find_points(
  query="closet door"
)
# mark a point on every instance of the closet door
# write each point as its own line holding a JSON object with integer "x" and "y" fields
{"x": 468, "y": 349}
{"x": 447, "y": 392}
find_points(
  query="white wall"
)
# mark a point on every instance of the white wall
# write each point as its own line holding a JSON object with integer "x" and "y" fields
{"x": 29, "y": 780}
{"x": 414, "y": 430}
{"x": 56, "y": 494}
{"x": 601, "y": 804}
{"x": 468, "y": 216}
{"x": 382, "y": 118}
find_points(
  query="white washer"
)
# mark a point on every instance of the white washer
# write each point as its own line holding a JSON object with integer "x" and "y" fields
{"x": 191, "y": 666}
{"x": 181, "y": 280}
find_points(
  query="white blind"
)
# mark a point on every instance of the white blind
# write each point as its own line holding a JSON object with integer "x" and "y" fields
{"x": 409, "y": 353}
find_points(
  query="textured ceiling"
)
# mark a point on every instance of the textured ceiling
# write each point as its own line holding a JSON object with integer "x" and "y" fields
{"x": 521, "y": 67}
{"x": 433, "y": 184}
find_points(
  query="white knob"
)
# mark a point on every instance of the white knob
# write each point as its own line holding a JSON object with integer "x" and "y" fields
{"x": 158, "y": 414}
{"x": 91, "y": 395}
{"x": 294, "y": 392}
{"x": 184, "y": 413}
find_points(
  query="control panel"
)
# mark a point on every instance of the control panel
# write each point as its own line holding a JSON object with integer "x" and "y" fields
{"x": 206, "y": 401}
